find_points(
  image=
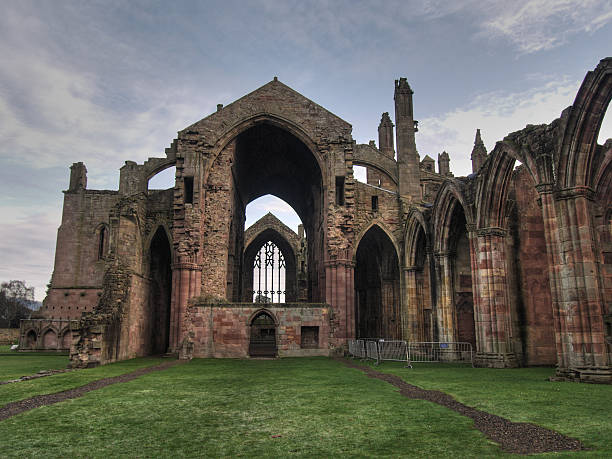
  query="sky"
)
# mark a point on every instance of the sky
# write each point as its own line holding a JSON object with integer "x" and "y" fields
{"x": 105, "y": 82}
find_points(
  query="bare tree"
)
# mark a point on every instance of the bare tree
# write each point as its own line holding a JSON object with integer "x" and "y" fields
{"x": 15, "y": 297}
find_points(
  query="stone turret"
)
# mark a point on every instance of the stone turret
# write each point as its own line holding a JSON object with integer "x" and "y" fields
{"x": 407, "y": 156}
{"x": 428, "y": 164}
{"x": 444, "y": 164}
{"x": 479, "y": 153}
{"x": 385, "y": 136}
{"x": 78, "y": 177}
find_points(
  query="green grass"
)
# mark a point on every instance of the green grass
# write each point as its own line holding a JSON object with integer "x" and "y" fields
{"x": 311, "y": 407}
{"x": 16, "y": 364}
{"x": 581, "y": 411}
{"x": 56, "y": 383}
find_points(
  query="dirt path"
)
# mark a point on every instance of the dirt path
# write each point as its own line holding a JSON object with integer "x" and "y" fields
{"x": 513, "y": 437}
{"x": 15, "y": 408}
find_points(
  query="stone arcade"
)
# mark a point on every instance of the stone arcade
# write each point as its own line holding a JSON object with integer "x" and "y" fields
{"x": 515, "y": 260}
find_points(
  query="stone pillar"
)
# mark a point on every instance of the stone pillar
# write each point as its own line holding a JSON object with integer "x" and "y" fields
{"x": 491, "y": 300}
{"x": 445, "y": 303}
{"x": 578, "y": 307}
{"x": 186, "y": 284}
{"x": 412, "y": 315}
{"x": 340, "y": 294}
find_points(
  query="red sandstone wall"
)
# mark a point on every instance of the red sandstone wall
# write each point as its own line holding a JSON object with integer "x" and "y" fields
{"x": 77, "y": 274}
{"x": 533, "y": 273}
{"x": 224, "y": 331}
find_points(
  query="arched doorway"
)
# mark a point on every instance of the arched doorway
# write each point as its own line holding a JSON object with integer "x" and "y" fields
{"x": 160, "y": 275}
{"x": 263, "y": 336}
{"x": 377, "y": 287}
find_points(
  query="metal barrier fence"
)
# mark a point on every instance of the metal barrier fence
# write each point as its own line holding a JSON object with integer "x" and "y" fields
{"x": 379, "y": 349}
{"x": 435, "y": 351}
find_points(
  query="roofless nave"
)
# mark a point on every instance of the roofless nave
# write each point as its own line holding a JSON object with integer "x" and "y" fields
{"x": 515, "y": 261}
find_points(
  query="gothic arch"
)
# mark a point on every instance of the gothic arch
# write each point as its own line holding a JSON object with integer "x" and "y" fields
{"x": 158, "y": 226}
{"x": 415, "y": 223}
{"x": 102, "y": 238}
{"x": 377, "y": 287}
{"x": 380, "y": 225}
{"x": 376, "y": 166}
{"x": 49, "y": 338}
{"x": 260, "y": 311}
{"x": 451, "y": 194}
{"x": 31, "y": 338}
{"x": 156, "y": 165}
{"x": 265, "y": 118}
{"x": 289, "y": 254}
{"x": 579, "y": 145}
{"x": 493, "y": 183}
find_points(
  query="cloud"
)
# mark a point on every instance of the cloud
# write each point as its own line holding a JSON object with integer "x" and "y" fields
{"x": 27, "y": 244}
{"x": 537, "y": 25}
{"x": 496, "y": 115}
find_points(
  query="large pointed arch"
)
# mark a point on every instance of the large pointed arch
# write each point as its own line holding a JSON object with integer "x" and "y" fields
{"x": 415, "y": 224}
{"x": 493, "y": 183}
{"x": 377, "y": 295}
{"x": 379, "y": 224}
{"x": 579, "y": 145}
{"x": 451, "y": 194}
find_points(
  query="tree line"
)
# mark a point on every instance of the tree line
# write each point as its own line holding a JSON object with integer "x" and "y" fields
{"x": 15, "y": 301}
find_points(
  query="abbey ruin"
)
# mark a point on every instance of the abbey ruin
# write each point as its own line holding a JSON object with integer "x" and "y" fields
{"x": 515, "y": 260}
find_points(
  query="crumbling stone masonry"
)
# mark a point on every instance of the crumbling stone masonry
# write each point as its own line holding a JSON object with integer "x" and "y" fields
{"x": 515, "y": 260}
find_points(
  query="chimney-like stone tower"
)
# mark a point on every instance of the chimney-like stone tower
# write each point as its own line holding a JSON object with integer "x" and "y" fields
{"x": 444, "y": 164}
{"x": 78, "y": 177}
{"x": 385, "y": 136}
{"x": 479, "y": 153}
{"x": 407, "y": 156}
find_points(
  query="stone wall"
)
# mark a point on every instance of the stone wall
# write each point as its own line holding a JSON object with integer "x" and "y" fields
{"x": 9, "y": 335}
{"x": 223, "y": 329}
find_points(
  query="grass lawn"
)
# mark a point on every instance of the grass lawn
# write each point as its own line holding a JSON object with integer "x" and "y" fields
{"x": 50, "y": 384}
{"x": 296, "y": 407}
{"x": 582, "y": 411}
{"x": 15, "y": 364}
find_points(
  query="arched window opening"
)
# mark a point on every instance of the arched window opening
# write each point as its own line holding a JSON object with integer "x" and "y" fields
{"x": 269, "y": 275}
{"x": 163, "y": 179}
{"x": 102, "y": 241}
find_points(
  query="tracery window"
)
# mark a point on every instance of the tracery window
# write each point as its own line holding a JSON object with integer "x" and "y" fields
{"x": 269, "y": 275}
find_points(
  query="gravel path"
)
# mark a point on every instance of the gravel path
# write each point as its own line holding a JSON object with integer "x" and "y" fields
{"x": 15, "y": 408}
{"x": 513, "y": 437}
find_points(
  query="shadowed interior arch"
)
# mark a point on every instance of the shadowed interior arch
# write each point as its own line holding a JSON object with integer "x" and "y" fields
{"x": 160, "y": 278}
{"x": 377, "y": 287}
{"x": 271, "y": 160}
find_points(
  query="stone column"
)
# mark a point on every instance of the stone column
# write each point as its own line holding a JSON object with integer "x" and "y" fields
{"x": 445, "y": 314}
{"x": 578, "y": 306}
{"x": 186, "y": 284}
{"x": 412, "y": 313}
{"x": 491, "y": 300}
{"x": 340, "y": 294}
